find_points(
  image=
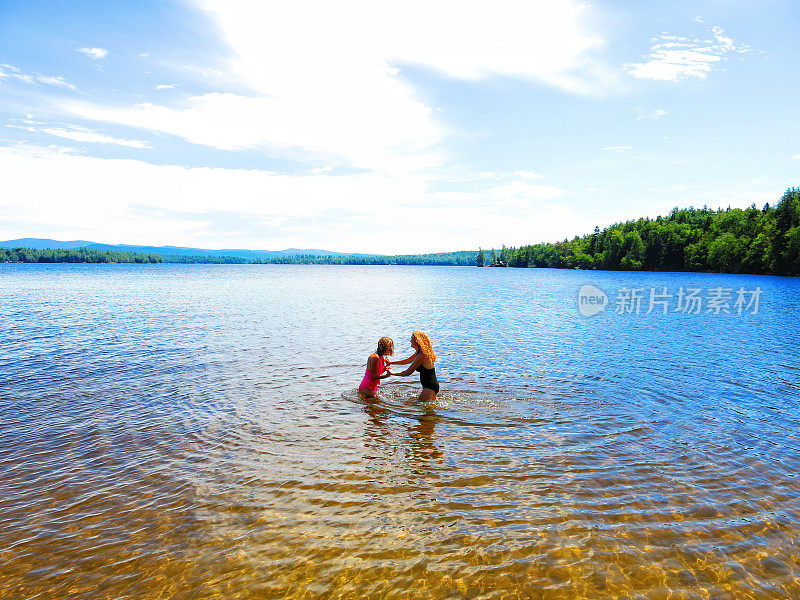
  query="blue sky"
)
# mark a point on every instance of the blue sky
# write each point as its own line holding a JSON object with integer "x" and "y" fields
{"x": 377, "y": 127}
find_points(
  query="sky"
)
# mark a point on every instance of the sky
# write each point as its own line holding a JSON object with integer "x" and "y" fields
{"x": 364, "y": 126}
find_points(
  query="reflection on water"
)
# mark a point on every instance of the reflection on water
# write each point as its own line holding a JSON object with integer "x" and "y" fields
{"x": 420, "y": 436}
{"x": 194, "y": 432}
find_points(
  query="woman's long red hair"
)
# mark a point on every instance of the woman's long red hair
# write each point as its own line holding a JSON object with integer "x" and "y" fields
{"x": 424, "y": 344}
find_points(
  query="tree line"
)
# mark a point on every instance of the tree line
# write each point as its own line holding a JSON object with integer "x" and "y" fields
{"x": 454, "y": 259}
{"x": 205, "y": 260}
{"x": 85, "y": 255}
{"x": 752, "y": 240}
{"x": 758, "y": 241}
{"x": 79, "y": 255}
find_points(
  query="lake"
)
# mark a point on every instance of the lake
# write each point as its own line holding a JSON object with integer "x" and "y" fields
{"x": 194, "y": 431}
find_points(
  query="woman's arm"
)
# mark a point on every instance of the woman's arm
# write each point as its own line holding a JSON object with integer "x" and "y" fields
{"x": 418, "y": 358}
{"x": 405, "y": 361}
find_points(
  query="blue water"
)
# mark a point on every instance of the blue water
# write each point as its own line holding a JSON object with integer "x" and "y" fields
{"x": 155, "y": 418}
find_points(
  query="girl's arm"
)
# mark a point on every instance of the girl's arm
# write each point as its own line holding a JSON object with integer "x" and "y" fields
{"x": 405, "y": 361}
{"x": 387, "y": 371}
{"x": 418, "y": 358}
{"x": 372, "y": 365}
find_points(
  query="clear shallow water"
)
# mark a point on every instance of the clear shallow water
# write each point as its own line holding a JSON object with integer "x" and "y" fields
{"x": 172, "y": 431}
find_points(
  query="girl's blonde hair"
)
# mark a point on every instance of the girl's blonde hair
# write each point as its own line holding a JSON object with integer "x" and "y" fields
{"x": 383, "y": 345}
{"x": 424, "y": 343}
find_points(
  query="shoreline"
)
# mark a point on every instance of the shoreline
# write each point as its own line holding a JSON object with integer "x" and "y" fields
{"x": 315, "y": 264}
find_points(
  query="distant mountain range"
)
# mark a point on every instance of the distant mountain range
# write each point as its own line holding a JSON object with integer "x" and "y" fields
{"x": 45, "y": 244}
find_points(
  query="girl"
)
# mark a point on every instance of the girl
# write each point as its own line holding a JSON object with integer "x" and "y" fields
{"x": 377, "y": 368}
{"x": 423, "y": 361}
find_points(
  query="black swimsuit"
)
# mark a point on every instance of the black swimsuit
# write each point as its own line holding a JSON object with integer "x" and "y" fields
{"x": 427, "y": 377}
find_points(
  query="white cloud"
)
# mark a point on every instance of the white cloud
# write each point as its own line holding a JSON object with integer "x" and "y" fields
{"x": 529, "y": 39}
{"x": 618, "y": 148}
{"x": 726, "y": 44}
{"x": 176, "y": 205}
{"x": 9, "y": 71}
{"x": 496, "y": 176}
{"x": 653, "y": 115}
{"x": 386, "y": 129}
{"x": 527, "y": 175}
{"x": 797, "y": 155}
{"x": 521, "y": 192}
{"x": 165, "y": 86}
{"x": 332, "y": 86}
{"x": 78, "y": 134}
{"x": 93, "y": 137}
{"x": 56, "y": 81}
{"x": 95, "y": 53}
{"x": 673, "y": 58}
{"x": 165, "y": 204}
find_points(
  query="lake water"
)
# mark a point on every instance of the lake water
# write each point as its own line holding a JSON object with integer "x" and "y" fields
{"x": 192, "y": 431}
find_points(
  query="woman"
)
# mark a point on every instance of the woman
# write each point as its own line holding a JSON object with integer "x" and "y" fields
{"x": 423, "y": 361}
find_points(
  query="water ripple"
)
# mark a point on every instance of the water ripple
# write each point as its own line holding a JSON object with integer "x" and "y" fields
{"x": 194, "y": 432}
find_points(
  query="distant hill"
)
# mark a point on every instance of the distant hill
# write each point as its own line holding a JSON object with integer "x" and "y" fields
{"x": 44, "y": 244}
{"x": 167, "y": 251}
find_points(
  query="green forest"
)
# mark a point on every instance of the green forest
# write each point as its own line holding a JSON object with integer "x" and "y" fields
{"x": 754, "y": 240}
{"x": 453, "y": 259}
{"x": 206, "y": 260}
{"x": 84, "y": 255}
{"x": 80, "y": 255}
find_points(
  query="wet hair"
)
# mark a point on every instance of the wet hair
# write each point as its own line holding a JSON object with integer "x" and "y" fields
{"x": 383, "y": 346}
{"x": 424, "y": 344}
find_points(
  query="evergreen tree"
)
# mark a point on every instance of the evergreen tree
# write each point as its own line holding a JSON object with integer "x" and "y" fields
{"x": 504, "y": 255}
{"x": 593, "y": 241}
{"x": 787, "y": 216}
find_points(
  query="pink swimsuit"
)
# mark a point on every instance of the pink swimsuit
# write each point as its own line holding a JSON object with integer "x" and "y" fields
{"x": 370, "y": 382}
